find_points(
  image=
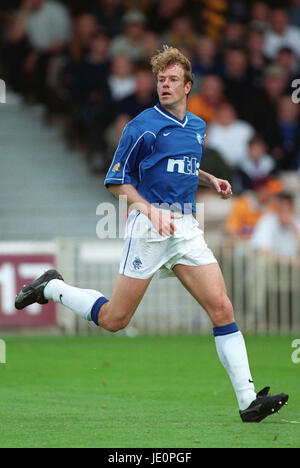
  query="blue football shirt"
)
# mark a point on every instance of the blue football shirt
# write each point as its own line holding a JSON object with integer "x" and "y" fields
{"x": 160, "y": 156}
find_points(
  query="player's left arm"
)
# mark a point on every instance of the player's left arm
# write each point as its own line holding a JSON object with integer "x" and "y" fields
{"x": 221, "y": 186}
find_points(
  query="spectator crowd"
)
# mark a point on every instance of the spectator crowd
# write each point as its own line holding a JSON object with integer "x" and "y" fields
{"x": 87, "y": 61}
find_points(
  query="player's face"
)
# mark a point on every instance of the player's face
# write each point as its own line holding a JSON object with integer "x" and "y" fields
{"x": 171, "y": 86}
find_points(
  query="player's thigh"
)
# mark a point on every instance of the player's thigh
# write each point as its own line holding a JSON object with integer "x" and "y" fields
{"x": 126, "y": 297}
{"x": 206, "y": 284}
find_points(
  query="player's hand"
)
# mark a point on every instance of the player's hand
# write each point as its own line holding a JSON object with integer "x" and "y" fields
{"x": 222, "y": 187}
{"x": 162, "y": 221}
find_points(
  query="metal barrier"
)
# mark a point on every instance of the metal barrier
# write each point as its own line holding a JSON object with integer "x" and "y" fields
{"x": 265, "y": 294}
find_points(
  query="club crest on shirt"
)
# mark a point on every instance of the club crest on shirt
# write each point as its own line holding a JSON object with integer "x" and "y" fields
{"x": 137, "y": 263}
{"x": 117, "y": 167}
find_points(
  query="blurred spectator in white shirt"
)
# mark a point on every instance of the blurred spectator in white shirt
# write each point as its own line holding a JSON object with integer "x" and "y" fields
{"x": 46, "y": 23}
{"x": 229, "y": 136}
{"x": 121, "y": 80}
{"x": 281, "y": 34}
{"x": 278, "y": 234}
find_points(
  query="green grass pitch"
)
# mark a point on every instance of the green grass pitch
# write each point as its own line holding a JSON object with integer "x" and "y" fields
{"x": 157, "y": 392}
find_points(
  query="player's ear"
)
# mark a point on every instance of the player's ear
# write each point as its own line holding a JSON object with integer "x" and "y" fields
{"x": 188, "y": 87}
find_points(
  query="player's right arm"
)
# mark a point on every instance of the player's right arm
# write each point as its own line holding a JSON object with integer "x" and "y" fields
{"x": 123, "y": 176}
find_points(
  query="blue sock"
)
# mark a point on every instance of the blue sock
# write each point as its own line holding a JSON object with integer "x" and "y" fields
{"x": 225, "y": 329}
{"x": 96, "y": 309}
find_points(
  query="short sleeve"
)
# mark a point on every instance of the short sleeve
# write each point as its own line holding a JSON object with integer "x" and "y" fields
{"x": 125, "y": 165}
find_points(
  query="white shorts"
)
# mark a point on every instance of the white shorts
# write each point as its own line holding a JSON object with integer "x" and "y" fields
{"x": 145, "y": 251}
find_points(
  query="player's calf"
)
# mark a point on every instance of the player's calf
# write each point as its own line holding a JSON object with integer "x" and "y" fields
{"x": 115, "y": 314}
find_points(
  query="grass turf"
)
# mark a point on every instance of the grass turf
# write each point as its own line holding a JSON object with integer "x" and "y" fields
{"x": 157, "y": 392}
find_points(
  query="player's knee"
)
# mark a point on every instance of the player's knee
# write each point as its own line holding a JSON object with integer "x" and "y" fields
{"x": 223, "y": 312}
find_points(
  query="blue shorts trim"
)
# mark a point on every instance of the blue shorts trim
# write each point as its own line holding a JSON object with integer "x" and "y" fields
{"x": 125, "y": 263}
